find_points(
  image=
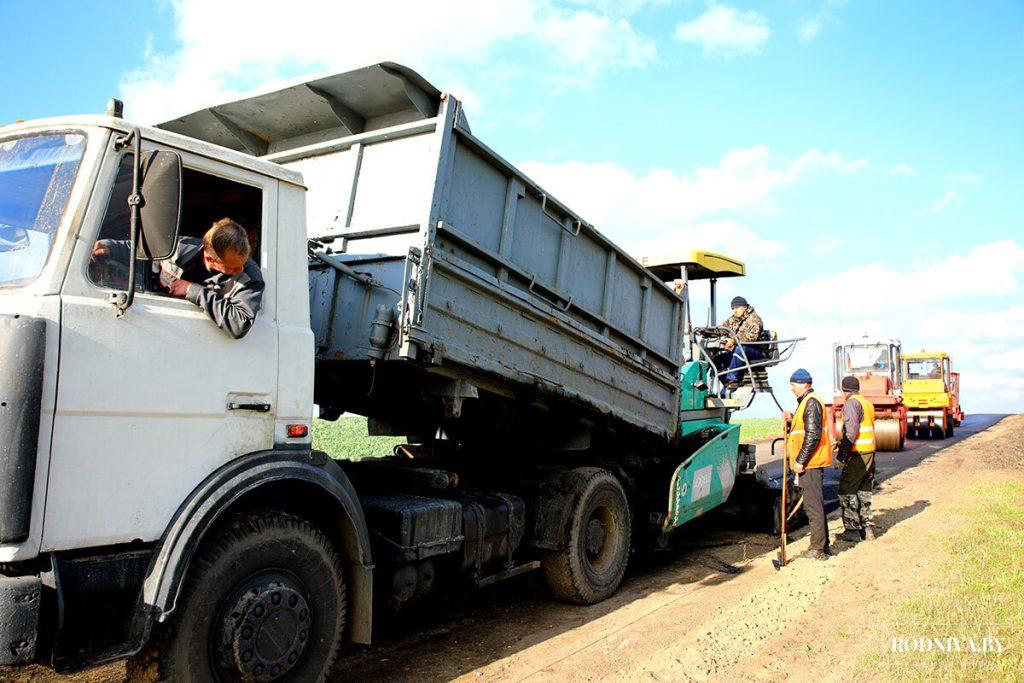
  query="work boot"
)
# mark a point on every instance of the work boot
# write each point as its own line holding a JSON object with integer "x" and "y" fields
{"x": 815, "y": 554}
{"x": 850, "y": 536}
{"x": 868, "y": 533}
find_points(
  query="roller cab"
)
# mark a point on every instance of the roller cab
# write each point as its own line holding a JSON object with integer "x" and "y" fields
{"x": 876, "y": 364}
{"x": 931, "y": 392}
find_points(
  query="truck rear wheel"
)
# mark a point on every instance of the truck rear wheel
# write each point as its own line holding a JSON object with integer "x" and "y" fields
{"x": 264, "y": 601}
{"x": 949, "y": 426}
{"x": 591, "y": 566}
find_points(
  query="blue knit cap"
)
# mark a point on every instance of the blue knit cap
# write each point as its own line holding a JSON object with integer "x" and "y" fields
{"x": 801, "y": 376}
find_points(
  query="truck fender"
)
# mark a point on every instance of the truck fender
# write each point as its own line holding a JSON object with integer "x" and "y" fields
{"x": 227, "y": 486}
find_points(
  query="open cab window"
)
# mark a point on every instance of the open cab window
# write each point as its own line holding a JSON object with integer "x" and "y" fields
{"x": 206, "y": 198}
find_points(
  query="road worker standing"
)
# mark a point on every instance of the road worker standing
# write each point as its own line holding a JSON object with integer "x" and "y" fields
{"x": 857, "y": 458}
{"x": 809, "y": 449}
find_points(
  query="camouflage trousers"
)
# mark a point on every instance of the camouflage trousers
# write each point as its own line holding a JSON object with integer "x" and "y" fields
{"x": 855, "y": 485}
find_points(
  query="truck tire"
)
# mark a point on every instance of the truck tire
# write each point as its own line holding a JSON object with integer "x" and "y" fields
{"x": 590, "y": 567}
{"x": 264, "y": 600}
{"x": 949, "y": 426}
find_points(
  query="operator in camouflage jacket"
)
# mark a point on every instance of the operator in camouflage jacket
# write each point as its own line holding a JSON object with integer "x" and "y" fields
{"x": 746, "y": 324}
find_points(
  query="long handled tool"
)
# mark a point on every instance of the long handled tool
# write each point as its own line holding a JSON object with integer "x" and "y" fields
{"x": 782, "y": 512}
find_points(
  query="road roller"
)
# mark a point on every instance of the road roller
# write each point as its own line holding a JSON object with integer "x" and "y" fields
{"x": 931, "y": 392}
{"x": 877, "y": 365}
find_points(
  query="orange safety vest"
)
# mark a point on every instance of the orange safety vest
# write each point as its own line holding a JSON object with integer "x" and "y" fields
{"x": 866, "y": 435}
{"x": 822, "y": 456}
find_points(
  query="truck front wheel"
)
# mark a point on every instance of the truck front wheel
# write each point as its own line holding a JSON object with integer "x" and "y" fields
{"x": 264, "y": 601}
{"x": 591, "y": 566}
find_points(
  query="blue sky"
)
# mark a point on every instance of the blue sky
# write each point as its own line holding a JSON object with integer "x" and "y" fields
{"x": 841, "y": 148}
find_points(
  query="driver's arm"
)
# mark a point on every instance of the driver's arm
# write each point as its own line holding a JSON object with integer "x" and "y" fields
{"x": 112, "y": 250}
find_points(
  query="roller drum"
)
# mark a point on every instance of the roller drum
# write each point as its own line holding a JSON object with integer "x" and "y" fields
{"x": 887, "y": 435}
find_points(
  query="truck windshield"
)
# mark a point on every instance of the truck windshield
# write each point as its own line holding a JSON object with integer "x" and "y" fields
{"x": 37, "y": 173}
{"x": 864, "y": 359}
{"x": 926, "y": 368}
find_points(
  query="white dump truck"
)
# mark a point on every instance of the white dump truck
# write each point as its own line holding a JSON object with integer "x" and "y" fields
{"x": 160, "y": 498}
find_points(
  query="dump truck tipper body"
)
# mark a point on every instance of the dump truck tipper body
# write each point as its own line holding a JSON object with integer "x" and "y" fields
{"x": 500, "y": 283}
{"x": 166, "y": 479}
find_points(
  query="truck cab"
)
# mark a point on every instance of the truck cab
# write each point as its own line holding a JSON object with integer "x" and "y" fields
{"x": 136, "y": 381}
{"x": 115, "y": 425}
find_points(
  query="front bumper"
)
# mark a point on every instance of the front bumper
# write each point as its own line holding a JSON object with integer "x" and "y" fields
{"x": 19, "y": 618}
{"x": 919, "y": 415}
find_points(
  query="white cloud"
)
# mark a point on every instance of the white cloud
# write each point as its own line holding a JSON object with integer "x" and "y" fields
{"x": 904, "y": 169}
{"x": 996, "y": 269}
{"x": 826, "y": 245}
{"x": 963, "y": 303}
{"x": 949, "y": 199}
{"x": 233, "y": 48}
{"x": 809, "y": 29}
{"x": 591, "y": 43}
{"x": 699, "y": 209}
{"x": 724, "y": 236}
{"x": 963, "y": 178}
{"x": 726, "y": 31}
{"x": 617, "y": 7}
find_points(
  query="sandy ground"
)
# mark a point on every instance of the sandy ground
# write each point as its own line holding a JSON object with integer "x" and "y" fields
{"x": 715, "y": 609}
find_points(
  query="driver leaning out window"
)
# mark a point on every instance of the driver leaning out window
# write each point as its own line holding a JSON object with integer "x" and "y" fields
{"x": 213, "y": 272}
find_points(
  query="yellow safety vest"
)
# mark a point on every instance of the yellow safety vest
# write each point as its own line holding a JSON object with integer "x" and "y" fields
{"x": 865, "y": 442}
{"x": 822, "y": 456}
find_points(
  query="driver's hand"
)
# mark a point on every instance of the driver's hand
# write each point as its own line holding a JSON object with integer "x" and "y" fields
{"x": 787, "y": 416}
{"x": 798, "y": 468}
{"x": 176, "y": 286}
{"x": 100, "y": 250}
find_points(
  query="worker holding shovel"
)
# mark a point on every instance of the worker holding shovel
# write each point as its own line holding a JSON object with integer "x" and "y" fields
{"x": 809, "y": 450}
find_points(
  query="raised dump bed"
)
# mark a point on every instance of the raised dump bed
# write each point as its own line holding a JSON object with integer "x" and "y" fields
{"x": 485, "y": 279}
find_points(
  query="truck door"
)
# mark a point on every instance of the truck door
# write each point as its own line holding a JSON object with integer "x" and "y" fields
{"x": 148, "y": 404}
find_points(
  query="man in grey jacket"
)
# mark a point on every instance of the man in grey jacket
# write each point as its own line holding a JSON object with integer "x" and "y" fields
{"x": 215, "y": 273}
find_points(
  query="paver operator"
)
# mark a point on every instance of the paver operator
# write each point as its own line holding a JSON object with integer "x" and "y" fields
{"x": 747, "y": 326}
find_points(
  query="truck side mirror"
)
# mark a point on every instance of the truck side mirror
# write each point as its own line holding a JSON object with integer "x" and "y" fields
{"x": 160, "y": 210}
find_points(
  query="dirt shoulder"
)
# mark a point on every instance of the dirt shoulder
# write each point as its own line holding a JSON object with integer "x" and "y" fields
{"x": 827, "y": 620}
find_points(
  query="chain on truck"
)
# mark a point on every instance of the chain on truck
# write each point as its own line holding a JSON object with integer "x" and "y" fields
{"x": 160, "y": 498}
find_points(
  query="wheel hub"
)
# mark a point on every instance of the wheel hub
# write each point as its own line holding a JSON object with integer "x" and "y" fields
{"x": 266, "y": 630}
{"x": 595, "y": 537}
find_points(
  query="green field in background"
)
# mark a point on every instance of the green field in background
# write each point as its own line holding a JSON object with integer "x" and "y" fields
{"x": 757, "y": 428}
{"x": 347, "y": 439}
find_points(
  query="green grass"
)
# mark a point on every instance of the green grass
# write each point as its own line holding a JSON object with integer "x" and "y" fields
{"x": 346, "y": 439}
{"x": 979, "y": 592}
{"x": 757, "y": 428}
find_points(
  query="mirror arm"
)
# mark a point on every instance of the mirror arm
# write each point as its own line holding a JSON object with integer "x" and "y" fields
{"x": 124, "y": 300}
